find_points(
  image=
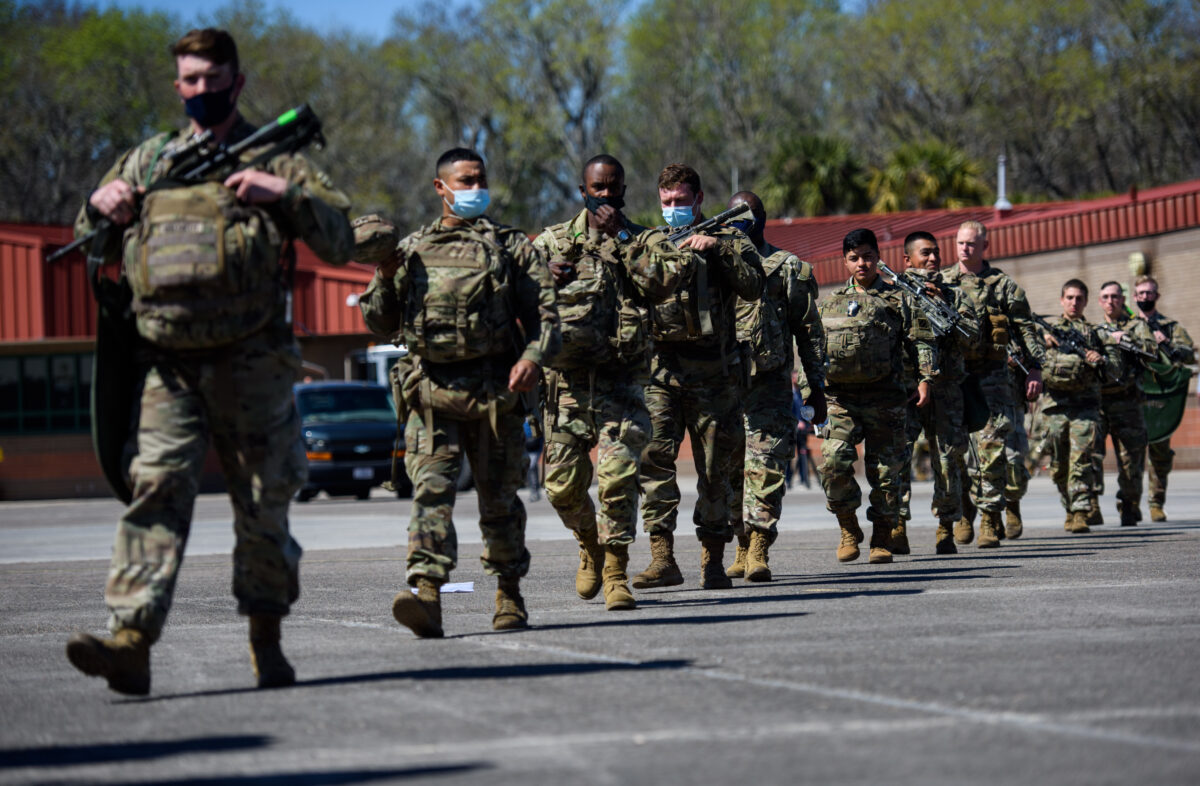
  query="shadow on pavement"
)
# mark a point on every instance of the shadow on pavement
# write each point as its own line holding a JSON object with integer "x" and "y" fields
{"x": 60, "y": 755}
{"x": 636, "y": 620}
{"x": 336, "y": 778}
{"x": 445, "y": 673}
{"x": 731, "y": 599}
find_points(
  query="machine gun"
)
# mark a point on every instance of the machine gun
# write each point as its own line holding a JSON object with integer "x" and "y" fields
{"x": 1127, "y": 345}
{"x": 1069, "y": 339}
{"x": 731, "y": 214}
{"x": 941, "y": 315}
{"x": 197, "y": 162}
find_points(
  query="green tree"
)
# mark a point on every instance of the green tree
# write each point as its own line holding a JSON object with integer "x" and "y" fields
{"x": 922, "y": 175}
{"x": 815, "y": 176}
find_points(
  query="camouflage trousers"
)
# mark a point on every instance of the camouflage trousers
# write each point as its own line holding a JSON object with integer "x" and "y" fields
{"x": 241, "y": 397}
{"x": 986, "y": 465}
{"x": 1124, "y": 420}
{"x": 433, "y": 461}
{"x": 760, "y": 459}
{"x": 604, "y": 410}
{"x": 1162, "y": 459}
{"x": 1016, "y": 449}
{"x": 1071, "y": 431}
{"x": 942, "y": 422}
{"x": 709, "y": 409}
{"x": 877, "y": 417}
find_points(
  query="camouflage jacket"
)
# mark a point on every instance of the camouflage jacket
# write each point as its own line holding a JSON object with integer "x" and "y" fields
{"x": 1125, "y": 370}
{"x": 733, "y": 269}
{"x": 790, "y": 289}
{"x": 910, "y": 334}
{"x": 951, "y": 346}
{"x": 312, "y": 209}
{"x": 1178, "y": 346}
{"x": 1069, "y": 379}
{"x": 993, "y": 293}
{"x": 611, "y": 282}
{"x": 384, "y": 303}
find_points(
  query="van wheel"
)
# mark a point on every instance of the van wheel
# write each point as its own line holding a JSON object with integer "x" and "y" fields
{"x": 363, "y": 493}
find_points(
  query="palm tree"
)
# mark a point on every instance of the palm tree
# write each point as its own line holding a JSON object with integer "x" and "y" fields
{"x": 815, "y": 175}
{"x": 929, "y": 174}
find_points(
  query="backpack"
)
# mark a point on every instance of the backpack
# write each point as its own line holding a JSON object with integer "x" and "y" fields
{"x": 687, "y": 315}
{"x": 458, "y": 298}
{"x": 860, "y": 346}
{"x": 762, "y": 324}
{"x": 204, "y": 269}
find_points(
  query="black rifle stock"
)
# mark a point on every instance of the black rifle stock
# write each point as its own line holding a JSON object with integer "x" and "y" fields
{"x": 1128, "y": 346}
{"x": 731, "y": 214}
{"x": 1069, "y": 339}
{"x": 293, "y": 130}
{"x": 941, "y": 315}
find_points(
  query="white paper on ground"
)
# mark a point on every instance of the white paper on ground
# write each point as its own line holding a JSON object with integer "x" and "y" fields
{"x": 461, "y": 586}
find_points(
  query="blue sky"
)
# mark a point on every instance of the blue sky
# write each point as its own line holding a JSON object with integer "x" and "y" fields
{"x": 372, "y": 18}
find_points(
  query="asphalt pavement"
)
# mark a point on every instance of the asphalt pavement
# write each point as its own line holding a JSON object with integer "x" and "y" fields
{"x": 1056, "y": 659}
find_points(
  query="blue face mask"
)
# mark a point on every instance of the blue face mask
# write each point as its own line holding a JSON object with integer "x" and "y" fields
{"x": 743, "y": 225}
{"x": 677, "y": 217}
{"x": 470, "y": 203}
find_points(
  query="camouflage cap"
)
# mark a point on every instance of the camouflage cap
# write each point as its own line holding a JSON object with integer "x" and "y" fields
{"x": 375, "y": 239}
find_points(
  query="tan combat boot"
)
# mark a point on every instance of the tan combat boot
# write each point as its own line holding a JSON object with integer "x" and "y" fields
{"x": 591, "y": 563}
{"x": 1095, "y": 518}
{"x": 510, "y": 606}
{"x": 757, "y": 558}
{"x": 270, "y": 667}
{"x": 852, "y": 535}
{"x": 964, "y": 530}
{"x": 662, "y": 571}
{"x": 738, "y": 569}
{"x": 881, "y": 539}
{"x": 1077, "y": 522}
{"x": 989, "y": 525}
{"x": 899, "y": 539}
{"x": 123, "y": 660}
{"x": 421, "y": 613}
{"x": 1157, "y": 513}
{"x": 712, "y": 573}
{"x": 1013, "y": 525}
{"x": 943, "y": 539}
{"x": 616, "y": 584}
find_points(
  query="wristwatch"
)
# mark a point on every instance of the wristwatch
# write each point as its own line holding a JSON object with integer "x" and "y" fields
{"x": 624, "y": 236}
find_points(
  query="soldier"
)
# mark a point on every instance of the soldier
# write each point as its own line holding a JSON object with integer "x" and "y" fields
{"x": 605, "y": 268}
{"x": 1175, "y": 343}
{"x": 694, "y": 384}
{"x": 942, "y": 420}
{"x": 1072, "y": 409}
{"x": 1016, "y": 452}
{"x": 869, "y": 325}
{"x": 766, "y": 328}
{"x": 1004, "y": 315}
{"x": 1121, "y": 402}
{"x": 453, "y": 293}
{"x": 217, "y": 359}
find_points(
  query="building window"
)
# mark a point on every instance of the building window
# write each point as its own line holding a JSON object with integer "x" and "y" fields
{"x": 45, "y": 393}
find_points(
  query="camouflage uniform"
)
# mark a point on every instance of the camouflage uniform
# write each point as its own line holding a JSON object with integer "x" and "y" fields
{"x": 942, "y": 419}
{"x": 596, "y": 385}
{"x": 996, "y": 298}
{"x": 868, "y": 405}
{"x": 1180, "y": 350}
{"x": 464, "y": 406}
{"x": 695, "y": 385}
{"x": 1072, "y": 416}
{"x": 1016, "y": 445}
{"x": 240, "y": 395}
{"x": 762, "y": 454}
{"x": 1122, "y": 416}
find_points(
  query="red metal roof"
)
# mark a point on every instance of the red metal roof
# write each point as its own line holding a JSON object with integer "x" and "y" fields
{"x": 1026, "y": 229}
{"x": 40, "y": 301}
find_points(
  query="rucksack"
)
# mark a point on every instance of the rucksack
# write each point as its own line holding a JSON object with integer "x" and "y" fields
{"x": 458, "y": 298}
{"x": 687, "y": 315}
{"x": 860, "y": 337}
{"x": 762, "y": 324}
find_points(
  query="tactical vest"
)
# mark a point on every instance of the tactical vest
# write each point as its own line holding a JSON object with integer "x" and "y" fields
{"x": 601, "y": 319}
{"x": 204, "y": 269}
{"x": 860, "y": 337}
{"x": 994, "y": 329}
{"x": 458, "y": 305}
{"x": 690, "y": 313}
{"x": 762, "y": 324}
{"x": 1066, "y": 371}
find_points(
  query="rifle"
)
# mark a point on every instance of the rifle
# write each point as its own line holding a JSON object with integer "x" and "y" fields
{"x": 1128, "y": 345}
{"x": 196, "y": 162}
{"x": 942, "y": 316}
{"x": 732, "y": 213}
{"x": 1069, "y": 339}
{"x": 1014, "y": 354}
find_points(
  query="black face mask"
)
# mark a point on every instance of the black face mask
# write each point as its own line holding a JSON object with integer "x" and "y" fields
{"x": 210, "y": 109}
{"x": 1146, "y": 305}
{"x": 593, "y": 203}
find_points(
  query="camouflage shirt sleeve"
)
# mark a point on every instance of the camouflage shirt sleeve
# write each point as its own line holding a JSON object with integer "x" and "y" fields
{"x": 920, "y": 338}
{"x": 1022, "y": 328}
{"x": 533, "y": 290}
{"x": 969, "y": 321}
{"x": 313, "y": 210}
{"x": 1181, "y": 349}
{"x": 739, "y": 264}
{"x": 804, "y": 321}
{"x": 655, "y": 264}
